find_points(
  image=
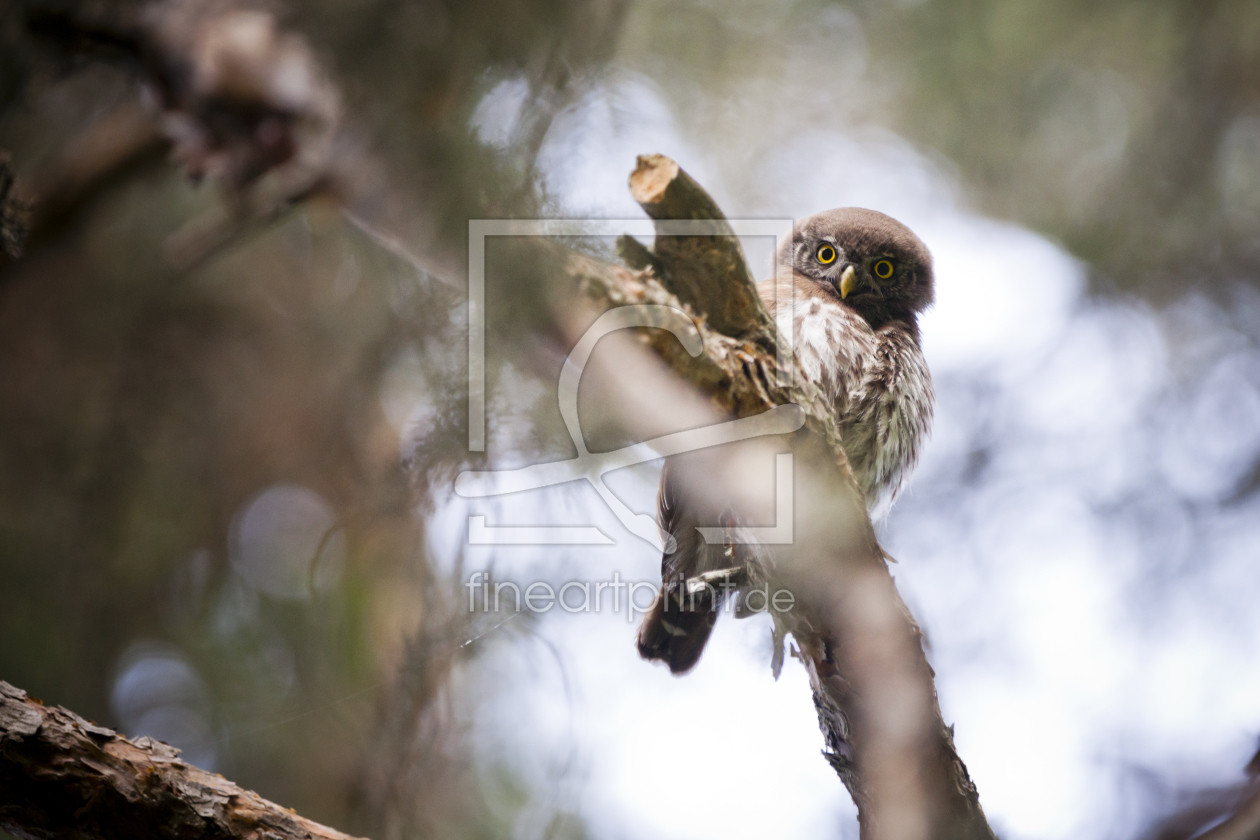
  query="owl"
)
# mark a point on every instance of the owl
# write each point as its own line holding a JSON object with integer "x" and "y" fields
{"x": 859, "y": 281}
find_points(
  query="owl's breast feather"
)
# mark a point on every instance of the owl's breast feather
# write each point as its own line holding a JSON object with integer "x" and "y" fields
{"x": 879, "y": 386}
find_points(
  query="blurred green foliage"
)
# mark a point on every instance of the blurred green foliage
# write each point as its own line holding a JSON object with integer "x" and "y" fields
{"x": 1126, "y": 129}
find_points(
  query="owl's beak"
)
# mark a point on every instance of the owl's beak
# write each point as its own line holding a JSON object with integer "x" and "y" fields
{"x": 848, "y": 279}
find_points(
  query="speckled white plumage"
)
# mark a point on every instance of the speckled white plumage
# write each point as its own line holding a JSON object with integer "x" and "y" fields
{"x": 878, "y": 381}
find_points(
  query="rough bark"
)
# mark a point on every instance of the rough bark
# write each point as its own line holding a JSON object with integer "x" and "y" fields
{"x": 64, "y": 777}
{"x": 873, "y": 687}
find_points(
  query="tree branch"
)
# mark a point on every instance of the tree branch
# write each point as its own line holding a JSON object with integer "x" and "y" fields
{"x": 872, "y": 684}
{"x": 64, "y": 777}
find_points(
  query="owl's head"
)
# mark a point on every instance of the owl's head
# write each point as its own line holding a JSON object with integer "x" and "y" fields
{"x": 870, "y": 261}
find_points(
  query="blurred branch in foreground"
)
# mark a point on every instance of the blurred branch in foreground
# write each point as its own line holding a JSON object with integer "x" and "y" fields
{"x": 242, "y": 101}
{"x": 873, "y": 687}
{"x": 1231, "y": 813}
{"x": 62, "y": 776}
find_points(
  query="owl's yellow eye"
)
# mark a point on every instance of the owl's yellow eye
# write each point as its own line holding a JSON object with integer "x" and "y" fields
{"x": 883, "y": 269}
{"x": 826, "y": 254}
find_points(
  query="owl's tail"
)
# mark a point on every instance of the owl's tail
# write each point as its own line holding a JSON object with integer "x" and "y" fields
{"x": 677, "y": 627}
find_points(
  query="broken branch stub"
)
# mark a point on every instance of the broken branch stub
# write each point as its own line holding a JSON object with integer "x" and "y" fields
{"x": 709, "y": 273}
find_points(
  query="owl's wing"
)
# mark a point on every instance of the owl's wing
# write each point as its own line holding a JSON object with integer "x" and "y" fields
{"x": 676, "y": 627}
{"x": 713, "y": 487}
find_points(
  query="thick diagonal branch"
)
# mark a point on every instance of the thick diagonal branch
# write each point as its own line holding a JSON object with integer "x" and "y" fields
{"x": 63, "y": 777}
{"x": 873, "y": 686}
